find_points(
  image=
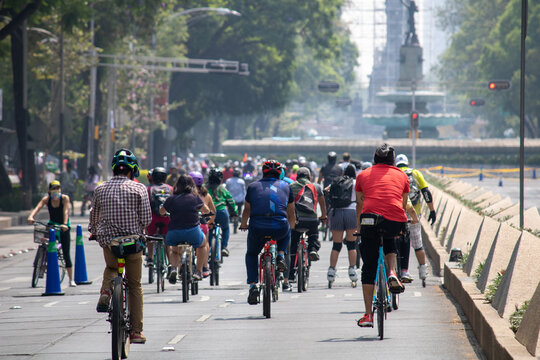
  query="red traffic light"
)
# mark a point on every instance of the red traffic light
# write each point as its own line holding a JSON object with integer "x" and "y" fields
{"x": 414, "y": 119}
{"x": 477, "y": 102}
{"x": 499, "y": 85}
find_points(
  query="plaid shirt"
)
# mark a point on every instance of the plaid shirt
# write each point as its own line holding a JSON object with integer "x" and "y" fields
{"x": 120, "y": 207}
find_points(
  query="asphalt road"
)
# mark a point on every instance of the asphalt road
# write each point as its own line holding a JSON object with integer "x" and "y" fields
{"x": 218, "y": 322}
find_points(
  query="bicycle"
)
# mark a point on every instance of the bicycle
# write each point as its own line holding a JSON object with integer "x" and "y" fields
{"x": 41, "y": 236}
{"x": 267, "y": 275}
{"x": 302, "y": 262}
{"x": 119, "y": 305}
{"x": 215, "y": 258}
{"x": 160, "y": 264}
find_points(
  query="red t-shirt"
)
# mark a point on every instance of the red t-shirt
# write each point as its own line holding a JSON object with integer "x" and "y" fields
{"x": 383, "y": 187}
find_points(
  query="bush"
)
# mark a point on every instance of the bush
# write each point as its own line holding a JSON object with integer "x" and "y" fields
{"x": 492, "y": 289}
{"x": 517, "y": 316}
{"x": 478, "y": 271}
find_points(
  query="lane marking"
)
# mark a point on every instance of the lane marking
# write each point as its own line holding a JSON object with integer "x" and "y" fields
{"x": 417, "y": 294}
{"x": 328, "y": 296}
{"x": 205, "y": 298}
{"x": 175, "y": 340}
{"x": 348, "y": 295}
{"x": 295, "y": 296}
{"x": 168, "y": 300}
{"x": 84, "y": 302}
{"x": 203, "y": 318}
{"x": 48, "y": 305}
{"x": 17, "y": 279}
{"x": 224, "y": 305}
{"x": 4, "y": 289}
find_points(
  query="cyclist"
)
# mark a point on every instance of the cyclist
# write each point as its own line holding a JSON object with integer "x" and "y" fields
{"x": 269, "y": 207}
{"x": 306, "y": 215}
{"x": 237, "y": 187}
{"x": 173, "y": 176}
{"x": 222, "y": 200}
{"x": 89, "y": 186}
{"x": 158, "y": 191}
{"x": 343, "y": 220}
{"x": 417, "y": 185}
{"x": 184, "y": 206}
{"x": 58, "y": 205}
{"x": 382, "y": 189}
{"x": 121, "y": 208}
{"x": 330, "y": 171}
{"x": 207, "y": 200}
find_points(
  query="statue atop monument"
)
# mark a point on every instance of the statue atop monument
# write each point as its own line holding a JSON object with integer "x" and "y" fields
{"x": 411, "y": 38}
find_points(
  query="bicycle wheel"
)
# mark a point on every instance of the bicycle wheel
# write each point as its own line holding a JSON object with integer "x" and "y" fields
{"x": 395, "y": 301}
{"x": 151, "y": 274}
{"x": 117, "y": 316}
{"x": 185, "y": 281}
{"x": 164, "y": 266}
{"x": 300, "y": 267}
{"x": 214, "y": 263}
{"x": 381, "y": 306}
{"x": 61, "y": 265}
{"x": 267, "y": 289}
{"x": 158, "y": 266}
{"x": 306, "y": 273}
{"x": 38, "y": 264}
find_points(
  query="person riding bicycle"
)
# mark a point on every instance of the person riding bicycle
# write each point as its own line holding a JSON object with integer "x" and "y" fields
{"x": 58, "y": 205}
{"x": 184, "y": 207}
{"x": 330, "y": 171}
{"x": 269, "y": 208}
{"x": 237, "y": 187}
{"x": 121, "y": 208}
{"x": 89, "y": 186}
{"x": 198, "y": 179}
{"x": 382, "y": 190}
{"x": 222, "y": 200}
{"x": 158, "y": 192}
{"x": 306, "y": 196}
{"x": 418, "y": 185}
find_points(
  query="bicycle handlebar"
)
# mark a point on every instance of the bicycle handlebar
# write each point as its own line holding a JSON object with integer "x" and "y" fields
{"x": 51, "y": 226}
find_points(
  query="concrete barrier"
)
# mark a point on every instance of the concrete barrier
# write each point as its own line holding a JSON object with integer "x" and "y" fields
{"x": 508, "y": 213}
{"x": 529, "y": 330}
{"x": 465, "y": 231}
{"x": 487, "y": 232}
{"x": 531, "y": 220}
{"x": 498, "y": 207}
{"x": 490, "y": 201}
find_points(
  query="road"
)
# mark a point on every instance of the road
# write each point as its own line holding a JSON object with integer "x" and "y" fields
{"x": 218, "y": 322}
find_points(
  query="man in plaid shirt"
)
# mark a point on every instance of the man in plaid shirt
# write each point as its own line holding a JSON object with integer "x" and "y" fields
{"x": 121, "y": 208}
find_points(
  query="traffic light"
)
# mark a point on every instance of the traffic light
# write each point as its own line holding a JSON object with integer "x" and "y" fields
{"x": 477, "y": 102}
{"x": 414, "y": 119}
{"x": 499, "y": 85}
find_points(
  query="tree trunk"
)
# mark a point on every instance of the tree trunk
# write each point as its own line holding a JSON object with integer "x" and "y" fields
{"x": 231, "y": 134}
{"x": 215, "y": 144}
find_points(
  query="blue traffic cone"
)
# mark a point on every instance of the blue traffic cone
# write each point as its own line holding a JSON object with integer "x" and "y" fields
{"x": 500, "y": 180}
{"x": 534, "y": 174}
{"x": 81, "y": 278}
{"x": 480, "y": 176}
{"x": 442, "y": 170}
{"x": 53, "y": 272}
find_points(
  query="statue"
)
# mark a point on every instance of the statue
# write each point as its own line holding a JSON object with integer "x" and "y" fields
{"x": 411, "y": 38}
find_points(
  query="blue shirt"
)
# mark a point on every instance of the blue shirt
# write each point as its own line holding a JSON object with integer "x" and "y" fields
{"x": 268, "y": 198}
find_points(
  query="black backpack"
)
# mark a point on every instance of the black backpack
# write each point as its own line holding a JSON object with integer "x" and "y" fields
{"x": 306, "y": 199}
{"x": 158, "y": 195}
{"x": 341, "y": 192}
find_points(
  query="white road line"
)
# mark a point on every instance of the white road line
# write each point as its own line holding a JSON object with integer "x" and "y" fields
{"x": 175, "y": 340}
{"x": 3, "y": 311}
{"x": 205, "y": 298}
{"x": 224, "y": 305}
{"x": 168, "y": 300}
{"x": 329, "y": 296}
{"x": 83, "y": 302}
{"x": 348, "y": 295}
{"x": 17, "y": 279}
{"x": 295, "y": 296}
{"x": 48, "y": 305}
{"x": 203, "y": 318}
{"x": 4, "y": 289}
{"x": 417, "y": 294}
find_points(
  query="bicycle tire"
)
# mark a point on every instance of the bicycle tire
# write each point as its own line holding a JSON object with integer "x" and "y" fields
{"x": 305, "y": 285}
{"x": 267, "y": 289}
{"x": 61, "y": 264}
{"x": 38, "y": 264}
{"x": 158, "y": 265}
{"x": 117, "y": 316}
{"x": 300, "y": 268}
{"x": 219, "y": 236}
{"x": 381, "y": 294}
{"x": 151, "y": 274}
{"x": 185, "y": 282}
{"x": 395, "y": 301}
{"x": 213, "y": 262}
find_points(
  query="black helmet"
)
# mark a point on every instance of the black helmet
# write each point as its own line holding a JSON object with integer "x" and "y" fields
{"x": 159, "y": 174}
{"x": 332, "y": 156}
{"x": 215, "y": 176}
{"x": 237, "y": 172}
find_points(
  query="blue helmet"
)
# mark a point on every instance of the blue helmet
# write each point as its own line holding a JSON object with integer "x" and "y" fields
{"x": 127, "y": 158}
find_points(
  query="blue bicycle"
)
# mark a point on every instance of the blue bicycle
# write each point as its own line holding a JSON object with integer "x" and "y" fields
{"x": 214, "y": 257}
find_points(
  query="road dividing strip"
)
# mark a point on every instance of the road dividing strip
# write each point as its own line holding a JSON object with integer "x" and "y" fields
{"x": 204, "y": 298}
{"x": 417, "y": 294}
{"x": 203, "y": 318}
{"x": 5, "y": 288}
{"x": 175, "y": 340}
{"x": 48, "y": 305}
{"x": 224, "y": 305}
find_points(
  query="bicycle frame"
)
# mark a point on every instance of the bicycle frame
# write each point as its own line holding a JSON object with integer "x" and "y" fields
{"x": 267, "y": 275}
{"x": 302, "y": 273}
{"x": 120, "y": 322}
{"x": 40, "y": 260}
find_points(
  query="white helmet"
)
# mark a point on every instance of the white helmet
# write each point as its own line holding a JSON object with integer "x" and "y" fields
{"x": 401, "y": 159}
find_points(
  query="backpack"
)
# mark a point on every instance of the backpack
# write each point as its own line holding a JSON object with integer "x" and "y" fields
{"x": 158, "y": 195}
{"x": 306, "y": 200}
{"x": 414, "y": 193}
{"x": 341, "y": 192}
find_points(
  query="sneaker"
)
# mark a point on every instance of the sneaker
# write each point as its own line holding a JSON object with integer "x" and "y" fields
{"x": 286, "y": 287}
{"x": 206, "y": 272}
{"x": 422, "y": 270}
{"x": 366, "y": 321}
{"x": 225, "y": 252}
{"x": 253, "y": 297}
{"x": 149, "y": 262}
{"x": 137, "y": 338}
{"x": 169, "y": 269}
{"x": 281, "y": 264}
{"x": 395, "y": 285}
{"x": 72, "y": 283}
{"x": 172, "y": 277}
{"x": 406, "y": 278}
{"x": 314, "y": 256}
{"x": 103, "y": 302}
{"x": 197, "y": 275}
{"x": 352, "y": 274}
{"x": 331, "y": 275}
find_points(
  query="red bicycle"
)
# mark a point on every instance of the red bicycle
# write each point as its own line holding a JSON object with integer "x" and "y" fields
{"x": 267, "y": 275}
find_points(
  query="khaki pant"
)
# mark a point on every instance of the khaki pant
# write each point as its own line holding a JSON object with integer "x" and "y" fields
{"x": 133, "y": 271}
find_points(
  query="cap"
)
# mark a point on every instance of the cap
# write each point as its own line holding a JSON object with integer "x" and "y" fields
{"x": 402, "y": 159}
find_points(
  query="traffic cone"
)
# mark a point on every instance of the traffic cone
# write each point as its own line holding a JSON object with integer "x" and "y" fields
{"x": 534, "y": 174}
{"x": 480, "y": 176}
{"x": 53, "y": 272}
{"x": 81, "y": 278}
{"x": 500, "y": 181}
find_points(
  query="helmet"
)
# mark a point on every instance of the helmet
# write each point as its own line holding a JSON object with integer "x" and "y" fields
{"x": 402, "y": 159}
{"x": 271, "y": 167}
{"x": 159, "y": 175}
{"x": 365, "y": 165}
{"x": 237, "y": 172}
{"x": 215, "y": 176}
{"x": 301, "y": 159}
{"x": 197, "y": 177}
{"x": 127, "y": 158}
{"x": 54, "y": 183}
{"x": 295, "y": 167}
{"x": 332, "y": 156}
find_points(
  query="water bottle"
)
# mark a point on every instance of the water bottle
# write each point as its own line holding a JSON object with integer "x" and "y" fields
{"x": 273, "y": 252}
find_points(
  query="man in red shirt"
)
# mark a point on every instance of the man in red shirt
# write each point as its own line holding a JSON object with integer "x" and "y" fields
{"x": 383, "y": 190}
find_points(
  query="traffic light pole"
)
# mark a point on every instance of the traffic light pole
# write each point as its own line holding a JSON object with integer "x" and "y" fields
{"x": 524, "y": 5}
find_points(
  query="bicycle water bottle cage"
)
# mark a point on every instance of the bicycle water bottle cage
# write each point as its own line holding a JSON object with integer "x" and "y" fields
{"x": 125, "y": 245}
